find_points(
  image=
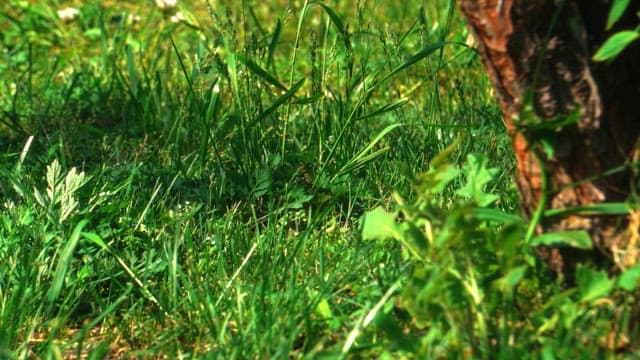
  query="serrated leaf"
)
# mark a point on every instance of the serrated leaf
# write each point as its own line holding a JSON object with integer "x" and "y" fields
{"x": 477, "y": 177}
{"x": 575, "y": 238}
{"x": 296, "y": 198}
{"x": 263, "y": 183}
{"x": 593, "y": 284}
{"x": 378, "y": 224}
{"x": 628, "y": 280}
{"x": 615, "y": 44}
{"x": 435, "y": 180}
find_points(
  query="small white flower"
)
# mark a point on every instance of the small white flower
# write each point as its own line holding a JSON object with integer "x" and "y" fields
{"x": 9, "y": 205}
{"x": 133, "y": 18}
{"x": 178, "y": 17}
{"x": 68, "y": 14}
{"x": 166, "y": 4}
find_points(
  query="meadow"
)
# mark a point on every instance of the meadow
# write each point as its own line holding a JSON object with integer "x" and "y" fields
{"x": 270, "y": 179}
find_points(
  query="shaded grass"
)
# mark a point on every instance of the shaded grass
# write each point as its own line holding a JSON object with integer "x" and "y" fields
{"x": 228, "y": 159}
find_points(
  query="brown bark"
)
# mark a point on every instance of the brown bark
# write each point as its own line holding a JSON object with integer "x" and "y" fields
{"x": 540, "y": 50}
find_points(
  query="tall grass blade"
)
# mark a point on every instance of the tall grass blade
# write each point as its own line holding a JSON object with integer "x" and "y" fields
{"x": 415, "y": 58}
{"x": 594, "y": 209}
{"x": 133, "y": 72}
{"x": 272, "y": 45}
{"x": 278, "y": 102}
{"x": 335, "y": 19}
{"x": 260, "y": 72}
{"x": 156, "y": 189}
{"x": 387, "y": 108}
{"x": 365, "y": 155}
{"x": 63, "y": 264}
{"x": 94, "y": 238}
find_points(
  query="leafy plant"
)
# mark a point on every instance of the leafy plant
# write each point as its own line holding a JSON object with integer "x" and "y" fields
{"x": 59, "y": 198}
{"x": 479, "y": 292}
{"x": 620, "y": 40}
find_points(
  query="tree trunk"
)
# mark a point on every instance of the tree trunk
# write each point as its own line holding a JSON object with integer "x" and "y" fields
{"x": 538, "y": 56}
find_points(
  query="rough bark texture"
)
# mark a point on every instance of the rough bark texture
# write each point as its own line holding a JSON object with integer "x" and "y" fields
{"x": 541, "y": 50}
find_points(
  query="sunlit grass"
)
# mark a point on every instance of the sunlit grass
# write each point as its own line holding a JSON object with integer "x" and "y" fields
{"x": 227, "y": 155}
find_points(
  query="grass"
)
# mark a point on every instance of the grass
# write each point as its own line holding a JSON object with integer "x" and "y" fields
{"x": 203, "y": 188}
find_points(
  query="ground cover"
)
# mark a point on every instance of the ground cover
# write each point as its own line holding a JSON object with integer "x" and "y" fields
{"x": 227, "y": 179}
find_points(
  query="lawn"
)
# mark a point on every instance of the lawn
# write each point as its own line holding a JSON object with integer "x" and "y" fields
{"x": 269, "y": 179}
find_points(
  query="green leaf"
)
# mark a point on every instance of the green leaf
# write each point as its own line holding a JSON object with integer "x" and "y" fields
{"x": 487, "y": 214}
{"x": 478, "y": 176}
{"x": 628, "y": 280}
{"x": 592, "y": 284}
{"x": 618, "y": 208}
{"x": 323, "y": 309}
{"x": 575, "y": 238}
{"x": 615, "y": 44}
{"x": 96, "y": 239}
{"x": 617, "y": 10}
{"x": 93, "y": 33}
{"x": 296, "y": 198}
{"x": 436, "y": 180}
{"x": 442, "y": 158}
{"x": 440, "y": 172}
{"x": 380, "y": 225}
{"x": 554, "y": 124}
{"x": 547, "y": 145}
{"x": 515, "y": 275}
{"x": 512, "y": 278}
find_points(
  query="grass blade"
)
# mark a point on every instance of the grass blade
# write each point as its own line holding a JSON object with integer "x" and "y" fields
{"x": 63, "y": 264}
{"x": 272, "y": 45}
{"x": 259, "y": 71}
{"x": 595, "y": 209}
{"x": 363, "y": 156}
{"x": 387, "y": 108}
{"x": 415, "y": 58}
{"x": 278, "y": 102}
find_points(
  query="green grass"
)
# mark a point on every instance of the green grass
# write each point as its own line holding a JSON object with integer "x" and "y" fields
{"x": 197, "y": 189}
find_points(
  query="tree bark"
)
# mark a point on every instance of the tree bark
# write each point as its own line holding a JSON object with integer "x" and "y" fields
{"x": 538, "y": 56}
